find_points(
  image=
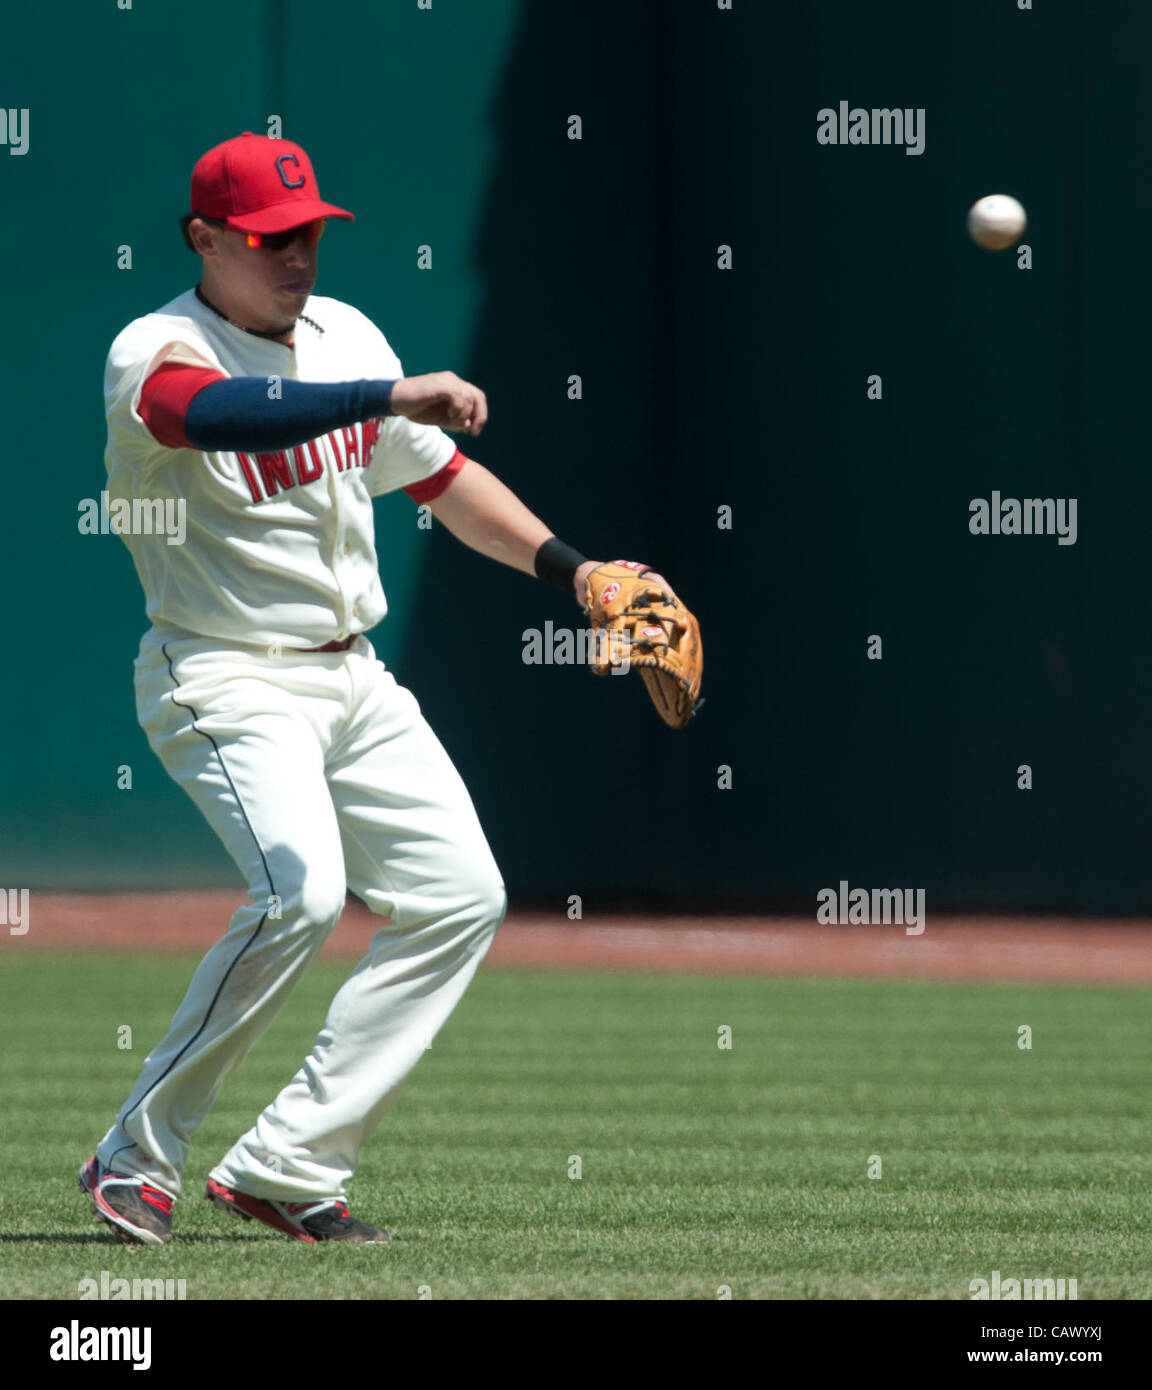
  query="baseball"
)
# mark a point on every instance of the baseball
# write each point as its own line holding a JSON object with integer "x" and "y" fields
{"x": 996, "y": 221}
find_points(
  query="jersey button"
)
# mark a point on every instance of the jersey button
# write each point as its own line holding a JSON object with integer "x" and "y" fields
{"x": 355, "y": 610}
{"x": 347, "y": 548}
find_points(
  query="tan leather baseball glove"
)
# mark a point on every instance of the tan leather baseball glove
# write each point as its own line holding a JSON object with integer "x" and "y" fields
{"x": 636, "y": 626}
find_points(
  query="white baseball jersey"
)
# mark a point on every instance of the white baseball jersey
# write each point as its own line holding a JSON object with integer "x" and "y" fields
{"x": 279, "y": 547}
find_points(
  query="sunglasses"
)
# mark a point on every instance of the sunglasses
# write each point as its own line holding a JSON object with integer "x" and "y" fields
{"x": 277, "y": 241}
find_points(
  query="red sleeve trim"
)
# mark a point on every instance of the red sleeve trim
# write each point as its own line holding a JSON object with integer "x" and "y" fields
{"x": 430, "y": 488}
{"x": 166, "y": 396}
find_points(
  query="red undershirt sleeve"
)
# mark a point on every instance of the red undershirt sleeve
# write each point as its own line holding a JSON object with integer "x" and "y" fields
{"x": 428, "y": 489}
{"x": 165, "y": 397}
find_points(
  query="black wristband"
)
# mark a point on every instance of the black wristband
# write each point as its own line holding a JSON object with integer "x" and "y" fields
{"x": 557, "y": 563}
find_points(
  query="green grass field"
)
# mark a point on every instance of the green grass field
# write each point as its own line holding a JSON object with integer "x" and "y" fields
{"x": 701, "y": 1167}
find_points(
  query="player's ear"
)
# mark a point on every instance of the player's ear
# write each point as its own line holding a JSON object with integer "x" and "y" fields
{"x": 200, "y": 235}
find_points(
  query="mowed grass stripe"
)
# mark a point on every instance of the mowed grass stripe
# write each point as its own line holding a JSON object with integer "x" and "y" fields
{"x": 701, "y": 1166}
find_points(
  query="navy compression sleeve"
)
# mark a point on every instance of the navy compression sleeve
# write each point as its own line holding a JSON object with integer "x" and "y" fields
{"x": 237, "y": 415}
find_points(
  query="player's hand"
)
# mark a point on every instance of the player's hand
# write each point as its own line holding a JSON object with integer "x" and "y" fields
{"x": 661, "y": 583}
{"x": 441, "y": 398}
{"x": 580, "y": 577}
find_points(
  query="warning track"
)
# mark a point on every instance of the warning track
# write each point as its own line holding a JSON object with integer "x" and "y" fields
{"x": 1069, "y": 950}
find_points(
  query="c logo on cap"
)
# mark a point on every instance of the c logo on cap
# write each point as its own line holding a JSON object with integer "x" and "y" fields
{"x": 281, "y": 160}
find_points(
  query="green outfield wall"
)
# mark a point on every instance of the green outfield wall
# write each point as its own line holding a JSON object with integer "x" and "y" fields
{"x": 796, "y": 377}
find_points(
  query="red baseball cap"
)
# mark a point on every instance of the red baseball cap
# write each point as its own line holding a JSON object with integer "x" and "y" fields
{"x": 256, "y": 184}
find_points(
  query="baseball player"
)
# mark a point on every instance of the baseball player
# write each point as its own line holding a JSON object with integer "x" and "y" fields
{"x": 275, "y": 416}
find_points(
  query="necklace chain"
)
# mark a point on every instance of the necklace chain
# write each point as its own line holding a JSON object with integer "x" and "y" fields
{"x": 256, "y": 332}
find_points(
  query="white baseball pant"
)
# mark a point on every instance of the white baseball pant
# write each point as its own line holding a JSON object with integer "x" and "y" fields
{"x": 319, "y": 774}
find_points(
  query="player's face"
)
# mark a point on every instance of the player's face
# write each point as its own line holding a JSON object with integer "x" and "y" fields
{"x": 265, "y": 286}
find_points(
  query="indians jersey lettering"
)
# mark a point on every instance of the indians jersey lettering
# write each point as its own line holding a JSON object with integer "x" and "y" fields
{"x": 279, "y": 546}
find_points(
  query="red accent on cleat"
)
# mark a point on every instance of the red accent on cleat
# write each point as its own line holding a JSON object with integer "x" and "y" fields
{"x": 322, "y": 1220}
{"x": 253, "y": 1208}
